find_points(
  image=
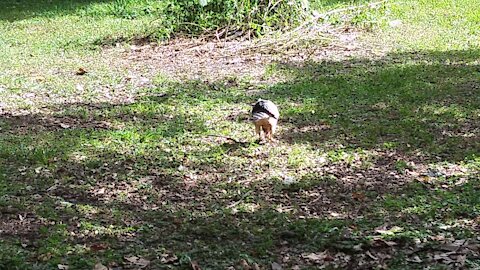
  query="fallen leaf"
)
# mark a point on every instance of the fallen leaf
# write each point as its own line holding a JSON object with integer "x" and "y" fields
{"x": 336, "y": 215}
{"x": 414, "y": 259}
{"x": 276, "y": 266}
{"x": 100, "y": 191}
{"x": 81, "y": 71}
{"x": 62, "y": 267}
{"x": 244, "y": 265}
{"x": 195, "y": 265}
{"x": 359, "y": 196}
{"x": 98, "y": 246}
{"x": 52, "y": 188}
{"x": 358, "y": 247}
{"x": 62, "y": 125}
{"x": 316, "y": 257}
{"x": 132, "y": 259}
{"x": 444, "y": 257}
{"x": 141, "y": 262}
{"x": 454, "y": 246}
{"x": 461, "y": 259}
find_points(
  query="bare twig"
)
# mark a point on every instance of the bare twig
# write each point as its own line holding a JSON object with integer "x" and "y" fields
{"x": 239, "y": 201}
{"x": 224, "y": 137}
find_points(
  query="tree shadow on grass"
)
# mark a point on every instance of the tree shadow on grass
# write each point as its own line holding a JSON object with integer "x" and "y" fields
{"x": 154, "y": 216}
{"x": 425, "y": 102}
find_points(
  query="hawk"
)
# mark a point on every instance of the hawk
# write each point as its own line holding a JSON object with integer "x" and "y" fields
{"x": 265, "y": 116}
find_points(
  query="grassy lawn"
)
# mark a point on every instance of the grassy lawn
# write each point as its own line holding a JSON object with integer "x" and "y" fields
{"x": 376, "y": 166}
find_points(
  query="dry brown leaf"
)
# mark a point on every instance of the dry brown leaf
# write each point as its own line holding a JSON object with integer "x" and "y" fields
{"x": 80, "y": 71}
{"x": 359, "y": 196}
{"x": 98, "y": 246}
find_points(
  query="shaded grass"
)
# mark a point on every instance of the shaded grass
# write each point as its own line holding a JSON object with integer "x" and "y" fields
{"x": 431, "y": 106}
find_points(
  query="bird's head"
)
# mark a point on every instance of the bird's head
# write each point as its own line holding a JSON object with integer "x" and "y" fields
{"x": 258, "y": 100}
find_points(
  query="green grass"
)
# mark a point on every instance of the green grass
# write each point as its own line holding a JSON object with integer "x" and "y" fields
{"x": 433, "y": 25}
{"x": 366, "y": 144}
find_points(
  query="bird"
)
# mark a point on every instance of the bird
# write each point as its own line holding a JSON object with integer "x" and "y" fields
{"x": 265, "y": 116}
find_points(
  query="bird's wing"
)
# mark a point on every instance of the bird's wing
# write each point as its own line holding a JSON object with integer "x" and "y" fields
{"x": 272, "y": 108}
{"x": 264, "y": 109}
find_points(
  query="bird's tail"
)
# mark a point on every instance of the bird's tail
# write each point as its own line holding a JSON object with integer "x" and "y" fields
{"x": 259, "y": 116}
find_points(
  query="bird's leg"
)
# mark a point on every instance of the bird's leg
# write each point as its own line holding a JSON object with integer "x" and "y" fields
{"x": 268, "y": 133}
{"x": 272, "y": 131}
{"x": 271, "y": 137}
{"x": 258, "y": 131}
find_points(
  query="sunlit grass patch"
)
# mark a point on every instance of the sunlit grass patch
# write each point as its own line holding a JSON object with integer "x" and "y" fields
{"x": 424, "y": 25}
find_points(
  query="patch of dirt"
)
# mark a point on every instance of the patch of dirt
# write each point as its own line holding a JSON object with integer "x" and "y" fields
{"x": 216, "y": 60}
{"x": 19, "y": 224}
{"x": 182, "y": 59}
